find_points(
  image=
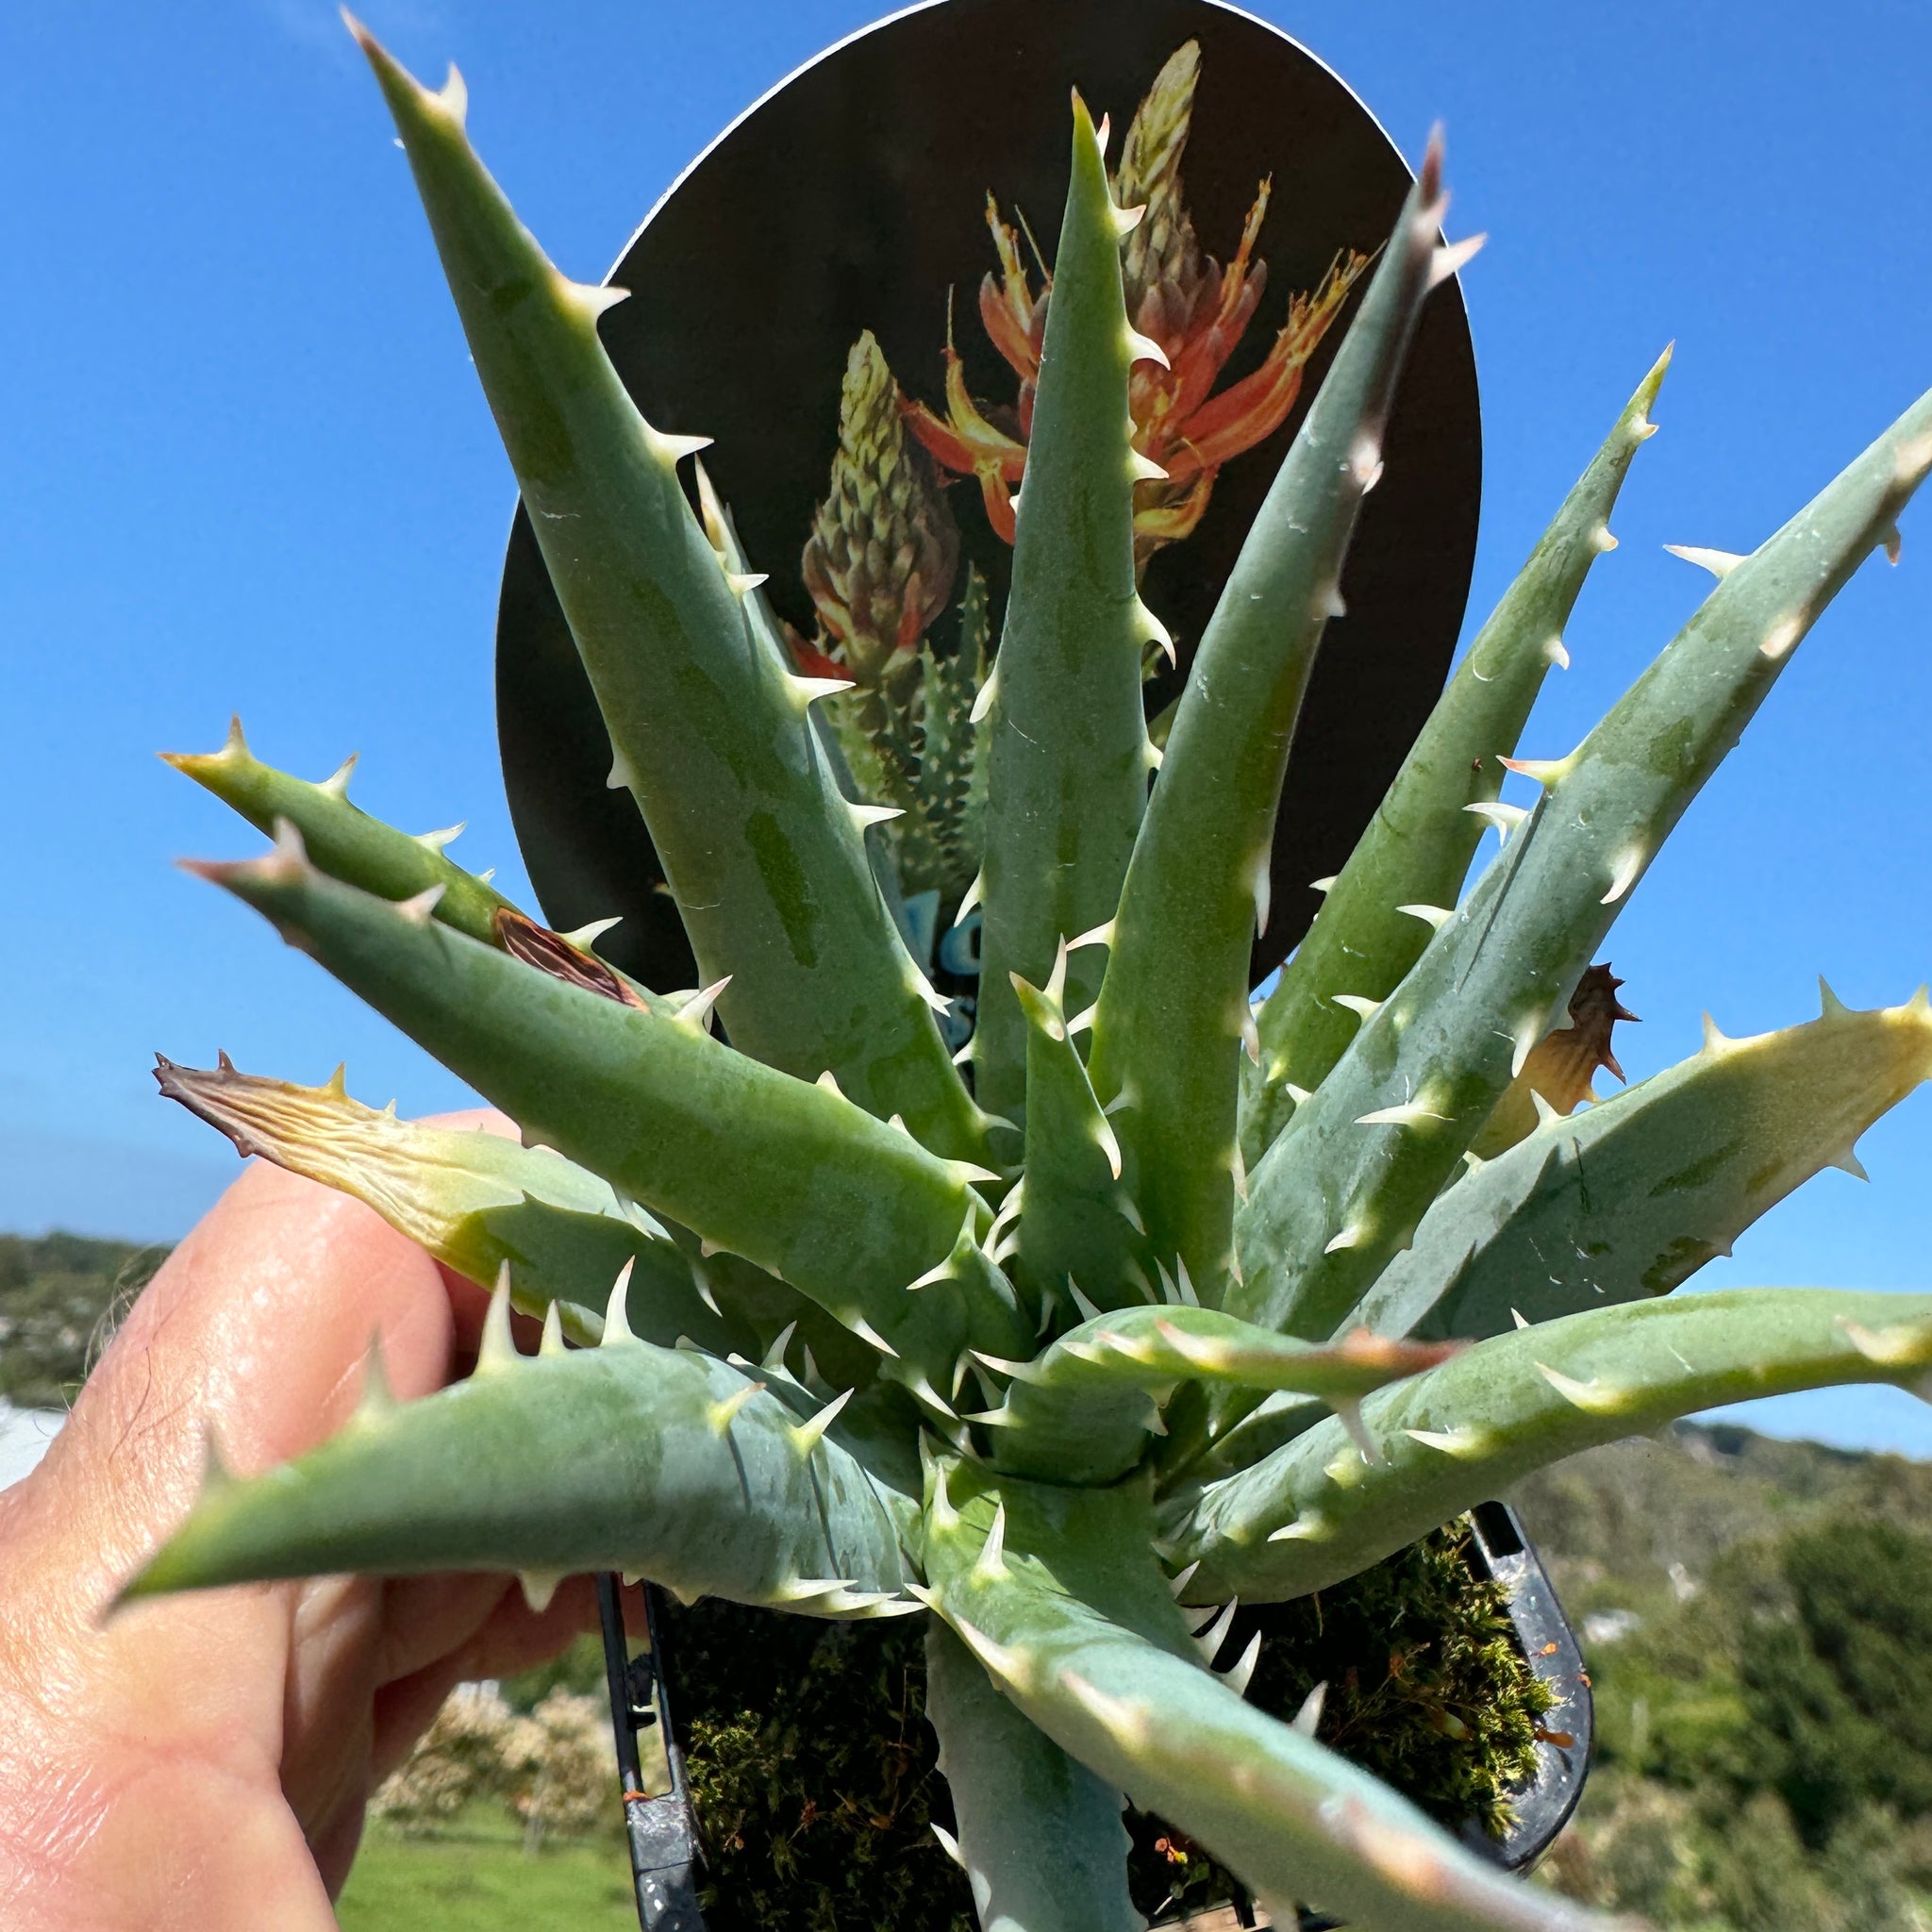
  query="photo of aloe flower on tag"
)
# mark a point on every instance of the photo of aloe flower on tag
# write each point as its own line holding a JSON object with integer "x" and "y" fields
{"x": 869, "y": 456}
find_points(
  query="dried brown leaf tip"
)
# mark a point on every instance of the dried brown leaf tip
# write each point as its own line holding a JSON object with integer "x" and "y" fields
{"x": 1558, "y": 1072}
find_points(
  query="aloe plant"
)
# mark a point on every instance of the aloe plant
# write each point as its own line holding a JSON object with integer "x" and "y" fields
{"x": 1174, "y": 1299}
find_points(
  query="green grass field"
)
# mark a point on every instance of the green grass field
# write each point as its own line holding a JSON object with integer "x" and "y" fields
{"x": 475, "y": 1877}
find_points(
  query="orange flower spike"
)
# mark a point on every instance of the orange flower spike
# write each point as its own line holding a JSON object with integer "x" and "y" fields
{"x": 1014, "y": 322}
{"x": 1007, "y": 332}
{"x": 1201, "y": 359}
{"x": 1172, "y": 518}
{"x": 1195, "y": 309}
{"x": 998, "y": 497}
{"x": 965, "y": 442}
{"x": 1254, "y": 407}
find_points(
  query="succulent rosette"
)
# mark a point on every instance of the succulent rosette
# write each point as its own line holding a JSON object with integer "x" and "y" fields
{"x": 1148, "y": 1298}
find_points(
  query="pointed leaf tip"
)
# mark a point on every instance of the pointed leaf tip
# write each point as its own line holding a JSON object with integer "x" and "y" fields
{"x": 1428, "y": 183}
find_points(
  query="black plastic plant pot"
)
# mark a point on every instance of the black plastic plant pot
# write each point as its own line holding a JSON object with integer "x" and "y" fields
{"x": 1543, "y": 1807}
{"x": 1539, "y": 1812}
{"x": 854, "y": 197}
{"x": 660, "y": 1827}
{"x": 664, "y": 1833}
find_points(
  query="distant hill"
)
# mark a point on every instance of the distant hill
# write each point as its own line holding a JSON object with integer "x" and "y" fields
{"x": 61, "y": 1295}
{"x": 1610, "y": 1524}
{"x": 1756, "y": 1617}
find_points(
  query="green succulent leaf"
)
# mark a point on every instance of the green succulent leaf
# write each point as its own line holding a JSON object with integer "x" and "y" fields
{"x": 1040, "y": 1836}
{"x": 1038, "y": 1585}
{"x": 1082, "y": 1412}
{"x": 791, "y": 1177}
{"x": 660, "y": 1463}
{"x": 850, "y": 757}
{"x": 1408, "y": 865}
{"x": 1342, "y": 1189}
{"x": 1076, "y": 1223}
{"x": 343, "y": 838}
{"x": 1067, "y": 742}
{"x": 1630, "y": 1197}
{"x": 481, "y": 1203}
{"x": 1173, "y": 1007}
{"x": 1316, "y": 1510}
{"x": 711, "y": 731}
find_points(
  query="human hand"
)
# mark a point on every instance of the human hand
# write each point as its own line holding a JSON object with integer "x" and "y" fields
{"x": 205, "y": 1760}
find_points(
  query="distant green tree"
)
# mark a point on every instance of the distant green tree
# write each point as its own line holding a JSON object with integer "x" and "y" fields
{"x": 61, "y": 1295}
{"x": 1839, "y": 1692}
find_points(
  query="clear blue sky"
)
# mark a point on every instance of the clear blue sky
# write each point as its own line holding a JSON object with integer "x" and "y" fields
{"x": 247, "y": 466}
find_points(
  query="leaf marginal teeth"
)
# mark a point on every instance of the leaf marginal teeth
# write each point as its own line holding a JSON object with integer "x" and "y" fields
{"x": 807, "y": 1435}
{"x": 617, "y": 1328}
{"x": 498, "y": 1349}
{"x": 1210, "y": 1641}
{"x": 420, "y": 908}
{"x": 1720, "y": 563}
{"x": 1240, "y": 1674}
{"x": 539, "y": 1587}
{"x": 721, "y": 1413}
{"x": 1310, "y": 1716}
